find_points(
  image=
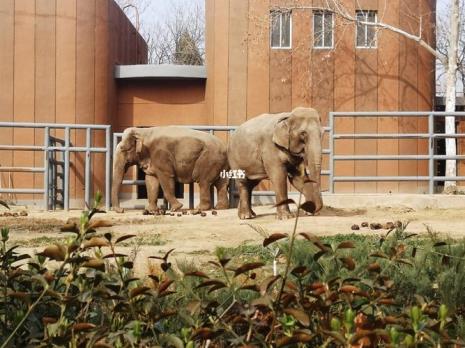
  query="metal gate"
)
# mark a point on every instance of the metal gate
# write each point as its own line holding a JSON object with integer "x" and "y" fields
{"x": 56, "y": 165}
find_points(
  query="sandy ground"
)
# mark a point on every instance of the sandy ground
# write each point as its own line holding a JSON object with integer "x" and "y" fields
{"x": 195, "y": 237}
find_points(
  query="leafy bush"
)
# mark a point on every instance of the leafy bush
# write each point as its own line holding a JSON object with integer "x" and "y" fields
{"x": 398, "y": 290}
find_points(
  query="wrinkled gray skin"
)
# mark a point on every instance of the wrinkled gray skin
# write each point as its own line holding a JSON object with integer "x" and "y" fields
{"x": 169, "y": 154}
{"x": 278, "y": 147}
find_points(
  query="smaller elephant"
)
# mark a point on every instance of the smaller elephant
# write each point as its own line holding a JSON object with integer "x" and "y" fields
{"x": 170, "y": 154}
{"x": 279, "y": 147}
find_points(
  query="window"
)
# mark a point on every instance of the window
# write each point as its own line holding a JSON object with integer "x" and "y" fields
{"x": 280, "y": 30}
{"x": 323, "y": 29}
{"x": 366, "y": 34}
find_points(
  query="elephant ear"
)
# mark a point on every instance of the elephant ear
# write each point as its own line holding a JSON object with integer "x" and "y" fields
{"x": 281, "y": 133}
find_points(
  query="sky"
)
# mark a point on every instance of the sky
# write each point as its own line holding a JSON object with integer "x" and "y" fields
{"x": 158, "y": 10}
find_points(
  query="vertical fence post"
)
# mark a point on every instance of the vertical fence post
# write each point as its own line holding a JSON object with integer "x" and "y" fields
{"x": 53, "y": 181}
{"x": 87, "y": 180}
{"x": 431, "y": 153}
{"x": 46, "y": 168}
{"x": 191, "y": 195}
{"x": 212, "y": 189}
{"x": 108, "y": 154}
{"x": 66, "y": 173}
{"x": 331, "y": 152}
{"x": 232, "y": 182}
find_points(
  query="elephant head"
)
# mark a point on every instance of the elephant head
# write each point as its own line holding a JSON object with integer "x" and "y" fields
{"x": 299, "y": 134}
{"x": 130, "y": 151}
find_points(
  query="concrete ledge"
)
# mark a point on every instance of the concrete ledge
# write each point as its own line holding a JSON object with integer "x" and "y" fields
{"x": 160, "y": 71}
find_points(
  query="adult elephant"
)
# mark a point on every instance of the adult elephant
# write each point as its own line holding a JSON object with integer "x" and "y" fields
{"x": 169, "y": 154}
{"x": 278, "y": 146}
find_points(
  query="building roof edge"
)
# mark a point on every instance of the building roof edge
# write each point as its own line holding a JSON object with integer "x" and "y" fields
{"x": 160, "y": 71}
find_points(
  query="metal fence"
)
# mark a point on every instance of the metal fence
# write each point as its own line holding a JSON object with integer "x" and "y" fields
{"x": 51, "y": 147}
{"x": 431, "y": 156}
{"x": 212, "y": 130}
{"x": 56, "y": 166}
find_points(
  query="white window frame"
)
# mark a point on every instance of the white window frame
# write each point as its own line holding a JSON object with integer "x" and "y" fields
{"x": 366, "y": 12}
{"x": 323, "y": 32}
{"x": 281, "y": 31}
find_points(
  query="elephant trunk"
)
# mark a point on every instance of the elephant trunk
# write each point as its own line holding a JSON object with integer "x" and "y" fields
{"x": 119, "y": 169}
{"x": 313, "y": 168}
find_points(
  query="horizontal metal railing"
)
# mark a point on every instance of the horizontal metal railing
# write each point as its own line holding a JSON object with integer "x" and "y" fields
{"x": 66, "y": 148}
{"x": 431, "y": 157}
{"x": 52, "y": 144}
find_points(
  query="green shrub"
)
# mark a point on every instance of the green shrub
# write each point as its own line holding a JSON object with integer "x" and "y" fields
{"x": 397, "y": 290}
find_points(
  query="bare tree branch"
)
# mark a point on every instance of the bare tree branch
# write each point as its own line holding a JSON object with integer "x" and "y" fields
{"x": 178, "y": 38}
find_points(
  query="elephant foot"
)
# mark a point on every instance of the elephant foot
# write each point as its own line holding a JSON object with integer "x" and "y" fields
{"x": 152, "y": 209}
{"x": 177, "y": 206}
{"x": 149, "y": 211}
{"x": 118, "y": 210}
{"x": 203, "y": 207}
{"x": 285, "y": 215}
{"x": 222, "y": 205}
{"x": 248, "y": 214}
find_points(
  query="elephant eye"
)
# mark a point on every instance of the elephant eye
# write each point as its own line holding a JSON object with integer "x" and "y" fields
{"x": 303, "y": 135}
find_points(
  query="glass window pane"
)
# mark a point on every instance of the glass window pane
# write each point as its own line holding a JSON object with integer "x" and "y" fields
{"x": 371, "y": 37}
{"x": 371, "y": 16}
{"x": 328, "y": 30}
{"x": 361, "y": 29}
{"x": 360, "y": 35}
{"x": 371, "y": 31}
{"x": 318, "y": 28}
{"x": 275, "y": 27}
{"x": 286, "y": 30}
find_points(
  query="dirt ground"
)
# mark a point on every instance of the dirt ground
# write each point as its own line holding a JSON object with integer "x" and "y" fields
{"x": 194, "y": 237}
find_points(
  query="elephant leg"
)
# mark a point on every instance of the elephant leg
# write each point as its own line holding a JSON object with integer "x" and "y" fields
{"x": 168, "y": 186}
{"x": 309, "y": 189}
{"x": 205, "y": 198}
{"x": 244, "y": 210}
{"x": 251, "y": 185}
{"x": 153, "y": 188}
{"x": 278, "y": 177}
{"x": 222, "y": 193}
{"x": 166, "y": 174}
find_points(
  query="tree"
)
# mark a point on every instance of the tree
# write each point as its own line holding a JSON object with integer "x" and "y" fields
{"x": 448, "y": 56}
{"x": 177, "y": 37}
{"x": 180, "y": 38}
{"x": 187, "y": 51}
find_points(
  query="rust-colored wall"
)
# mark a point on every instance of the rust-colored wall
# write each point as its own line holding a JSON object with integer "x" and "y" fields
{"x": 57, "y": 60}
{"x": 161, "y": 102}
{"x": 246, "y": 77}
